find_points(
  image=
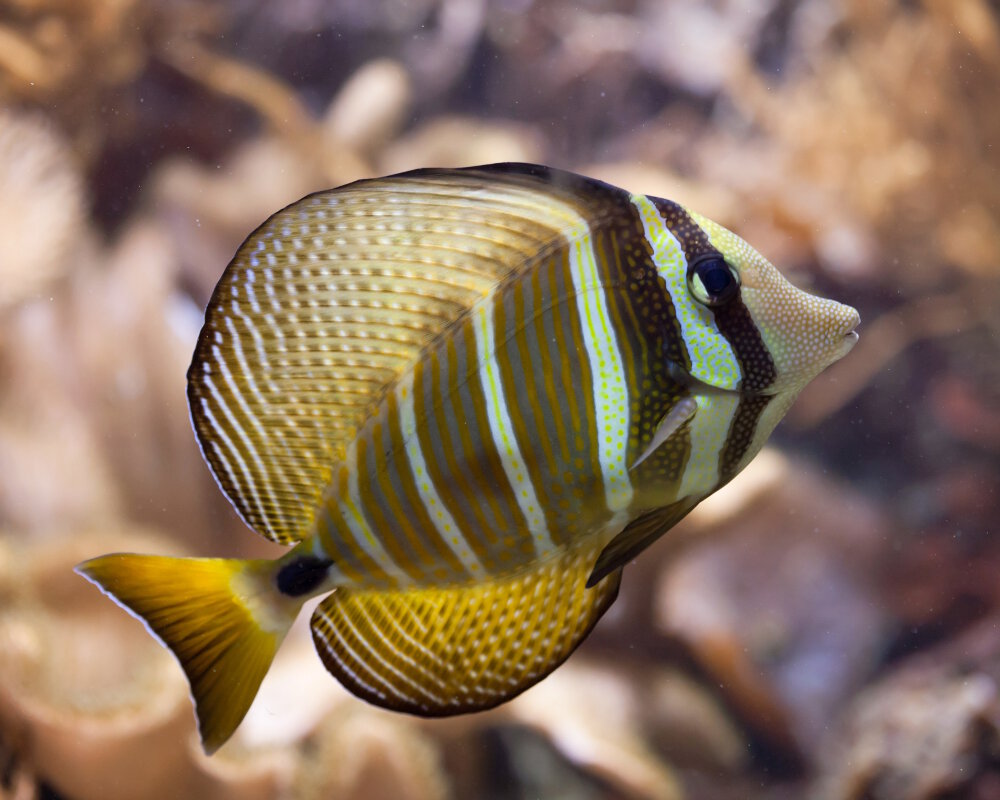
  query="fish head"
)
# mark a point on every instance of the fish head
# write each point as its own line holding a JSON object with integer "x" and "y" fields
{"x": 802, "y": 333}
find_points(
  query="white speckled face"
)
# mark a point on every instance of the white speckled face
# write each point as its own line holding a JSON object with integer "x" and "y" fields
{"x": 804, "y": 333}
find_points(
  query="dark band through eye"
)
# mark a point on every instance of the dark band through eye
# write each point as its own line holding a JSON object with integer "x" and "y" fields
{"x": 712, "y": 280}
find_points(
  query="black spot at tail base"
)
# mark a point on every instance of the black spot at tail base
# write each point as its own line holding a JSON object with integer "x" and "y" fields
{"x": 302, "y": 575}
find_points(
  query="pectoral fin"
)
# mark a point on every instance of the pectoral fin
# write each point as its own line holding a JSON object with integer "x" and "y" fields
{"x": 438, "y": 652}
{"x": 682, "y": 412}
{"x": 636, "y": 537}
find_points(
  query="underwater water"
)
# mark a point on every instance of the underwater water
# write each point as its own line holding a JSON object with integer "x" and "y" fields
{"x": 824, "y": 626}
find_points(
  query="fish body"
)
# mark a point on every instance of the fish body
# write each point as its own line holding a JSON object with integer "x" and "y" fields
{"x": 469, "y": 398}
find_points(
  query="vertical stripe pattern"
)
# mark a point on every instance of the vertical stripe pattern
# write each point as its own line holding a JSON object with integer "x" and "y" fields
{"x": 711, "y": 356}
{"x": 448, "y": 529}
{"x": 502, "y": 431}
{"x": 517, "y": 428}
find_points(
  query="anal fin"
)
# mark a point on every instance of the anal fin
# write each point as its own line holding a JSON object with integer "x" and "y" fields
{"x": 444, "y": 651}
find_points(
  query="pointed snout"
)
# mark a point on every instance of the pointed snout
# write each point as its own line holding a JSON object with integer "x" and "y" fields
{"x": 845, "y": 319}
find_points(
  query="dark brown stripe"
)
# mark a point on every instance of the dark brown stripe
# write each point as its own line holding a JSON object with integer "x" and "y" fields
{"x": 518, "y": 379}
{"x": 733, "y": 319}
{"x": 454, "y": 481}
{"x": 741, "y": 433}
{"x": 345, "y": 551}
{"x": 403, "y": 498}
{"x": 650, "y": 339}
{"x": 559, "y": 363}
{"x": 389, "y": 522}
{"x": 456, "y": 437}
{"x": 756, "y": 364}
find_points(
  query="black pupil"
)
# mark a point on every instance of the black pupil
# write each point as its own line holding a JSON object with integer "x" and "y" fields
{"x": 715, "y": 277}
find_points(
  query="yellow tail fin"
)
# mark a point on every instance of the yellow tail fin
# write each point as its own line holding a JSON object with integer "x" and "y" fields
{"x": 221, "y": 618}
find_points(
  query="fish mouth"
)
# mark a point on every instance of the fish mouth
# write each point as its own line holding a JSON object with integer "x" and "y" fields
{"x": 849, "y": 337}
{"x": 845, "y": 345}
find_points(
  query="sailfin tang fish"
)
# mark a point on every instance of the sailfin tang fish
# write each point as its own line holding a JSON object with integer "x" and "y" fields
{"x": 468, "y": 398}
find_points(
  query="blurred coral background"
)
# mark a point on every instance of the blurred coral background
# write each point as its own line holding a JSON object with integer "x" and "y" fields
{"x": 827, "y": 626}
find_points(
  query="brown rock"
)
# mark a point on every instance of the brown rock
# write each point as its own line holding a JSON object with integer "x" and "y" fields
{"x": 928, "y": 730}
{"x": 778, "y": 603}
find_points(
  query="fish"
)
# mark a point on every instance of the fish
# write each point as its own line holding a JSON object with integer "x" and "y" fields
{"x": 465, "y": 399}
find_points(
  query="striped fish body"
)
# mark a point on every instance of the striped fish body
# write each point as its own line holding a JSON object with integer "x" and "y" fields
{"x": 471, "y": 396}
{"x": 510, "y": 439}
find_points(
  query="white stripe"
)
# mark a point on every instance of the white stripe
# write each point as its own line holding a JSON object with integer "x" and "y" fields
{"x": 397, "y": 623}
{"x": 611, "y": 407}
{"x": 391, "y": 619}
{"x": 250, "y": 487}
{"x": 268, "y": 476}
{"x": 258, "y": 340}
{"x": 712, "y": 358}
{"x": 446, "y": 526}
{"x": 361, "y": 530}
{"x": 343, "y": 643}
{"x": 262, "y": 358}
{"x": 377, "y": 657}
{"x": 708, "y": 431}
{"x": 251, "y": 278}
{"x": 502, "y": 430}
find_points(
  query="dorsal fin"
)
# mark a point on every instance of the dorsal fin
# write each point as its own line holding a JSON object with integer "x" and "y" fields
{"x": 332, "y": 298}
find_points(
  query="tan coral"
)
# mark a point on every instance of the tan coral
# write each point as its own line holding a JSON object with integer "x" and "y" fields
{"x": 83, "y": 688}
{"x": 369, "y": 109}
{"x": 928, "y": 729}
{"x": 236, "y": 773}
{"x": 455, "y": 141}
{"x": 363, "y": 753}
{"x": 41, "y": 207}
{"x": 54, "y": 473}
{"x": 129, "y": 336}
{"x": 753, "y": 604}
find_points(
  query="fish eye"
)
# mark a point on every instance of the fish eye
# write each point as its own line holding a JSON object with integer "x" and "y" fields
{"x": 712, "y": 281}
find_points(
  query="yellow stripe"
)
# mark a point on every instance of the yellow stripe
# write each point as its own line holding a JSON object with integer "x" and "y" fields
{"x": 611, "y": 406}
{"x": 475, "y": 463}
{"x": 528, "y": 428}
{"x": 372, "y": 488}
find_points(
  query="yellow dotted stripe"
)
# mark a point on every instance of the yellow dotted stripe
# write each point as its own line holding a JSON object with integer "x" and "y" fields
{"x": 611, "y": 405}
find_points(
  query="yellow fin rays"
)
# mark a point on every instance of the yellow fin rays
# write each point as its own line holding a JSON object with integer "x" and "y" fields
{"x": 437, "y": 652}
